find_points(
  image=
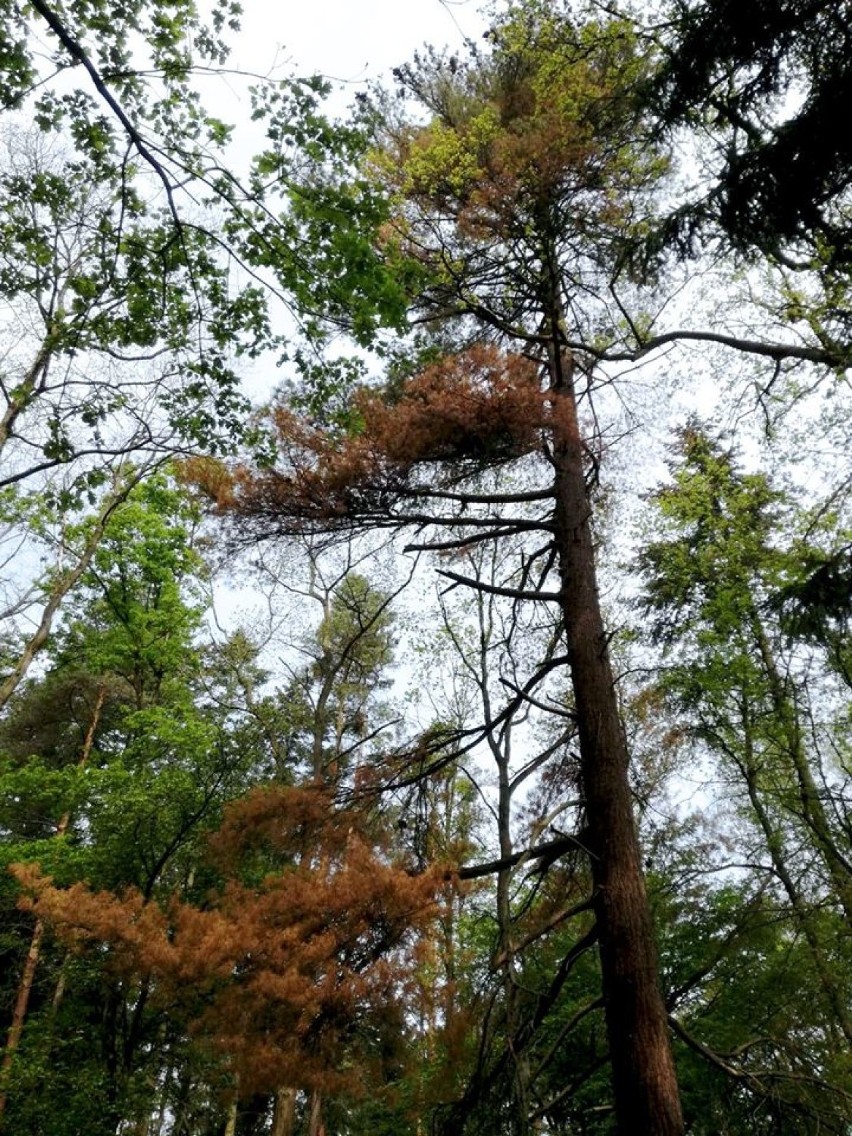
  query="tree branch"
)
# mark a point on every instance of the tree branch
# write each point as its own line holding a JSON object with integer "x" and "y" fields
{"x": 494, "y": 590}
{"x": 777, "y": 351}
{"x": 76, "y": 51}
{"x": 551, "y": 850}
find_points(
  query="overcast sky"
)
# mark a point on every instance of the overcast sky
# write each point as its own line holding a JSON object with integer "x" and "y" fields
{"x": 349, "y": 40}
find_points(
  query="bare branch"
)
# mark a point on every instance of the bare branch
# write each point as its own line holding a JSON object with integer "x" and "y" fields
{"x": 495, "y": 590}
{"x": 550, "y": 850}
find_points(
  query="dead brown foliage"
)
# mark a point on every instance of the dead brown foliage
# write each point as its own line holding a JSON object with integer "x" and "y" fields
{"x": 306, "y": 948}
{"x": 480, "y": 407}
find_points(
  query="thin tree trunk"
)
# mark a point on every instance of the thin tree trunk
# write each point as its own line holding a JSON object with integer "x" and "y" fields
{"x": 28, "y": 389}
{"x": 813, "y": 814}
{"x": 59, "y": 989}
{"x": 62, "y": 585}
{"x": 778, "y": 856}
{"x": 19, "y": 1014}
{"x": 506, "y": 952}
{"x": 316, "y": 1126}
{"x": 645, "y": 1089}
{"x": 231, "y": 1123}
{"x": 159, "y": 1118}
{"x": 22, "y": 1001}
{"x": 181, "y": 1104}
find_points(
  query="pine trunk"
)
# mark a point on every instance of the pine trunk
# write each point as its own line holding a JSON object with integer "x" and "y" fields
{"x": 284, "y": 1113}
{"x": 645, "y": 1090}
{"x": 316, "y": 1125}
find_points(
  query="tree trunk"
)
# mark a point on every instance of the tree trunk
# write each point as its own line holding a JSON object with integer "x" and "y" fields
{"x": 778, "y": 856}
{"x": 63, "y": 583}
{"x": 316, "y": 1126}
{"x": 231, "y": 1122}
{"x": 812, "y": 811}
{"x": 20, "y": 1012}
{"x": 506, "y": 951}
{"x": 645, "y": 1090}
{"x": 284, "y": 1113}
{"x": 25, "y": 986}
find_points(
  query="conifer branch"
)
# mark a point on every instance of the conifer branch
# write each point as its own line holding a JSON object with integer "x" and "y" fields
{"x": 551, "y": 850}
{"x": 495, "y": 590}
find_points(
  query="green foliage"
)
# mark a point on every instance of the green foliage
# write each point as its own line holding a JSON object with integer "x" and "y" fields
{"x": 110, "y": 771}
{"x": 103, "y": 276}
{"x": 332, "y": 706}
{"x": 509, "y": 186}
{"x": 719, "y": 560}
{"x": 166, "y": 37}
{"x": 324, "y": 389}
{"x": 735, "y": 549}
{"x": 758, "y": 961}
{"x": 139, "y": 619}
{"x": 320, "y": 241}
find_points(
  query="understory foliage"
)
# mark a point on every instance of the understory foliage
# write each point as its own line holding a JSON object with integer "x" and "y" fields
{"x": 294, "y": 970}
{"x": 226, "y": 907}
{"x": 498, "y": 815}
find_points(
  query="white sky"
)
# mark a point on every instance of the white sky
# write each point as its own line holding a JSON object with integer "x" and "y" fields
{"x": 349, "y": 40}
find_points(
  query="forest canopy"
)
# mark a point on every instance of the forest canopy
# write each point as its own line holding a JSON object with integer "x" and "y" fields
{"x": 425, "y": 665}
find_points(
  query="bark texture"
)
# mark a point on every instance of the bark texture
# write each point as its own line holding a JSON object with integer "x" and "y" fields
{"x": 647, "y": 1100}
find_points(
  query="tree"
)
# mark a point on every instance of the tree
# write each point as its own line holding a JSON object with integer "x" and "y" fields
{"x": 330, "y": 716}
{"x": 171, "y": 744}
{"x": 121, "y": 222}
{"x": 766, "y": 78}
{"x": 109, "y": 772}
{"x": 292, "y": 971}
{"x": 527, "y": 929}
{"x": 761, "y": 702}
{"x": 332, "y": 699}
{"x": 713, "y": 580}
{"x": 513, "y": 203}
{"x": 101, "y": 379}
